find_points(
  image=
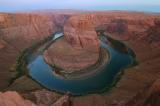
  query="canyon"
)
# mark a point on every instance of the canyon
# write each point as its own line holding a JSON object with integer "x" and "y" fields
{"x": 21, "y": 30}
{"x": 140, "y": 31}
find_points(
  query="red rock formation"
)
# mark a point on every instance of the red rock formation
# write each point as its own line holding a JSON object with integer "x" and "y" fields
{"x": 79, "y": 50}
{"x": 13, "y": 99}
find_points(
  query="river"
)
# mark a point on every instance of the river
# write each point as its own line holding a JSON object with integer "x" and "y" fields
{"x": 41, "y": 72}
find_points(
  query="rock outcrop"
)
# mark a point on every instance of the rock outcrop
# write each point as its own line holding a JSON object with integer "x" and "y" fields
{"x": 13, "y": 99}
{"x": 79, "y": 49}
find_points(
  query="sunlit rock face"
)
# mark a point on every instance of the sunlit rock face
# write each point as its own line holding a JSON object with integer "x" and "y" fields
{"x": 80, "y": 33}
{"x": 13, "y": 99}
{"x": 78, "y": 49}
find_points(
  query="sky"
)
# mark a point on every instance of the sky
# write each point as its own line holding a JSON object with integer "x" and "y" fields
{"x": 29, "y": 5}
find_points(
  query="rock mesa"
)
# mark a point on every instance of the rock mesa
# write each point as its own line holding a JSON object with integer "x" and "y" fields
{"x": 78, "y": 49}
